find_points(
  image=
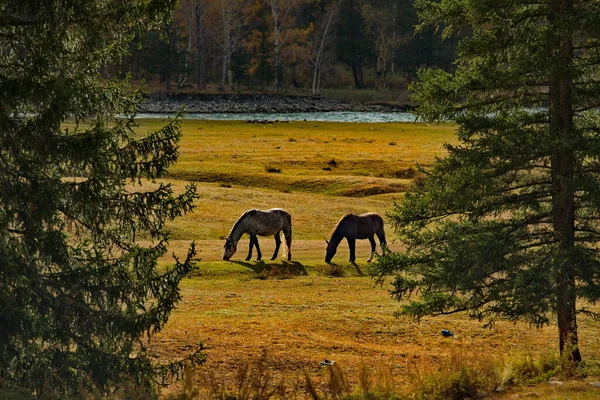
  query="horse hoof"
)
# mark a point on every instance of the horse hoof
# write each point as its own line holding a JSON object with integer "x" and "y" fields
{"x": 248, "y": 259}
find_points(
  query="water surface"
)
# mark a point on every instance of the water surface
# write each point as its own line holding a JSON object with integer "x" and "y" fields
{"x": 330, "y": 116}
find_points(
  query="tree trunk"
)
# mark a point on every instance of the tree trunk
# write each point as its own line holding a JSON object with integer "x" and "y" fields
{"x": 200, "y": 48}
{"x": 316, "y": 84}
{"x": 563, "y": 194}
{"x": 355, "y": 76}
{"x": 395, "y": 14}
{"x": 182, "y": 76}
{"x": 223, "y": 74}
{"x": 226, "y": 43}
{"x": 319, "y": 82}
{"x": 276, "y": 50}
{"x": 361, "y": 79}
{"x": 315, "y": 87}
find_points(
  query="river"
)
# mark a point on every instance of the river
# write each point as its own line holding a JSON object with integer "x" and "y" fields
{"x": 332, "y": 116}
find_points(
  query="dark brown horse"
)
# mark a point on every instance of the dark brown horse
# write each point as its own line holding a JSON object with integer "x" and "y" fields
{"x": 352, "y": 227}
{"x": 261, "y": 223}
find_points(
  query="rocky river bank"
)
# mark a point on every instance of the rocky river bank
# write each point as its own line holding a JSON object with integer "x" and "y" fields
{"x": 252, "y": 103}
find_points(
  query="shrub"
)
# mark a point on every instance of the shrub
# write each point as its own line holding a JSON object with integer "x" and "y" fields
{"x": 15, "y": 394}
{"x": 272, "y": 169}
{"x": 460, "y": 376}
{"x": 527, "y": 369}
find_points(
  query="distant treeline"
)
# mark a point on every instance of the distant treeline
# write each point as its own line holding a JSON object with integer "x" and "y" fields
{"x": 271, "y": 45}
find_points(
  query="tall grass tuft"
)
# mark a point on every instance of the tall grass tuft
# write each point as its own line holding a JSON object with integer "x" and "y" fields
{"x": 190, "y": 391}
{"x": 252, "y": 381}
{"x": 375, "y": 384}
{"x": 364, "y": 380}
{"x": 461, "y": 375}
{"x": 338, "y": 384}
{"x": 311, "y": 389}
{"x": 527, "y": 369}
{"x": 458, "y": 377}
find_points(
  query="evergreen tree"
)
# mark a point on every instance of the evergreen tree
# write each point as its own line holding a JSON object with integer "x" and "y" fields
{"x": 420, "y": 49}
{"x": 353, "y": 47}
{"x": 264, "y": 71}
{"x": 79, "y": 294}
{"x": 163, "y": 53}
{"x": 507, "y": 225}
{"x": 240, "y": 63}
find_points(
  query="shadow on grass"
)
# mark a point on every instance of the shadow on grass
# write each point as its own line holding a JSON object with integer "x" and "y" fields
{"x": 340, "y": 270}
{"x": 287, "y": 269}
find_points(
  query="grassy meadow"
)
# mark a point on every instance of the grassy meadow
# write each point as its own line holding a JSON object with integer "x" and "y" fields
{"x": 273, "y": 321}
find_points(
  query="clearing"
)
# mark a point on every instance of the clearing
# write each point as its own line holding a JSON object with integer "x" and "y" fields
{"x": 303, "y": 312}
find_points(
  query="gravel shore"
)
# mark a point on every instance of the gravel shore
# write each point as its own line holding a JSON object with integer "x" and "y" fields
{"x": 251, "y": 103}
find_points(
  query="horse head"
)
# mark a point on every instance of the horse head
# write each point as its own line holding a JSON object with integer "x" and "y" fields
{"x": 230, "y": 248}
{"x": 330, "y": 251}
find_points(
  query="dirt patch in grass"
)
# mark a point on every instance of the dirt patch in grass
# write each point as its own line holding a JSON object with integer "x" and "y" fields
{"x": 371, "y": 190}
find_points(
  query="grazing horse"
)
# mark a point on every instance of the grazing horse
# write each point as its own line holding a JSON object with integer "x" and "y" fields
{"x": 352, "y": 227}
{"x": 261, "y": 223}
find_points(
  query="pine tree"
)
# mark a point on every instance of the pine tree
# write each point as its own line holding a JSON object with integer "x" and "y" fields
{"x": 353, "y": 47}
{"x": 79, "y": 294}
{"x": 507, "y": 225}
{"x": 422, "y": 48}
{"x": 163, "y": 53}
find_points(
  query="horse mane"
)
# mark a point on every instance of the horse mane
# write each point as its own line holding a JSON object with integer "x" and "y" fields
{"x": 345, "y": 217}
{"x": 242, "y": 218}
{"x": 337, "y": 226}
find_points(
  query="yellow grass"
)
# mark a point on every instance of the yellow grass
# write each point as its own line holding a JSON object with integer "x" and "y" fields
{"x": 295, "y": 310}
{"x": 330, "y": 158}
{"x": 313, "y": 215}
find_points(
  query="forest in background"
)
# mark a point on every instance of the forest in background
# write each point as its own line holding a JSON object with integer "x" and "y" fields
{"x": 281, "y": 45}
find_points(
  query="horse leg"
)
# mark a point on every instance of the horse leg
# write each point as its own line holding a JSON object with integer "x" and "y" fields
{"x": 252, "y": 239}
{"x": 373, "y": 245}
{"x": 287, "y": 233}
{"x": 258, "y": 253}
{"x": 277, "y": 244}
{"x": 352, "y": 247}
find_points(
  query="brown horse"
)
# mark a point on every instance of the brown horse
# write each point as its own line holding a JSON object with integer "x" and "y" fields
{"x": 261, "y": 223}
{"x": 352, "y": 227}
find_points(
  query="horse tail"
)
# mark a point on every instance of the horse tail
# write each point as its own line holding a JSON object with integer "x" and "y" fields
{"x": 288, "y": 234}
{"x": 381, "y": 235}
{"x": 285, "y": 247}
